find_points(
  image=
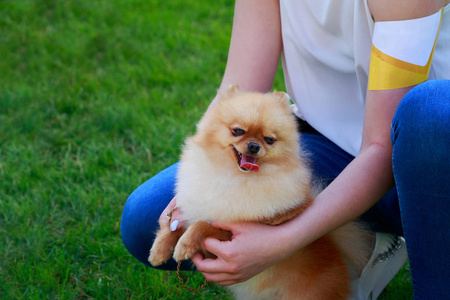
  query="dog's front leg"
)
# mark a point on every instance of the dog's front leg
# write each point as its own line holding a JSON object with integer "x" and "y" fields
{"x": 164, "y": 244}
{"x": 192, "y": 239}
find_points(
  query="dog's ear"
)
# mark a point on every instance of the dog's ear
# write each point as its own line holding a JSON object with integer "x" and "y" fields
{"x": 232, "y": 90}
{"x": 284, "y": 98}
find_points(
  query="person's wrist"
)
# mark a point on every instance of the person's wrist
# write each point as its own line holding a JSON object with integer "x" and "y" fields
{"x": 287, "y": 240}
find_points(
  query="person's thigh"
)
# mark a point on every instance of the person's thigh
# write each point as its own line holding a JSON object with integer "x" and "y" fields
{"x": 421, "y": 165}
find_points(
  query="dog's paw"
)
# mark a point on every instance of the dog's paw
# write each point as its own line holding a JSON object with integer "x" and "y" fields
{"x": 184, "y": 251}
{"x": 159, "y": 255}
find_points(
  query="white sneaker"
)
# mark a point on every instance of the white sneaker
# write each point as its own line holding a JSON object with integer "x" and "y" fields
{"x": 388, "y": 257}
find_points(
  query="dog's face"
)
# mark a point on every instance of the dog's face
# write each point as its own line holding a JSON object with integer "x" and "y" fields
{"x": 250, "y": 131}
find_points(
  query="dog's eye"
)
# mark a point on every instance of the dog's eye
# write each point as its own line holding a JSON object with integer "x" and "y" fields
{"x": 237, "y": 131}
{"x": 269, "y": 140}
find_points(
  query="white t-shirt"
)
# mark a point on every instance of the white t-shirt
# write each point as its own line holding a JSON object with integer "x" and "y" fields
{"x": 326, "y": 59}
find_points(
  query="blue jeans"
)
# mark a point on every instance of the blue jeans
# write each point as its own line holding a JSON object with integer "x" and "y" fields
{"x": 418, "y": 207}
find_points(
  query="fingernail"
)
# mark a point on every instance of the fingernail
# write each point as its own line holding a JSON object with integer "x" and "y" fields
{"x": 174, "y": 225}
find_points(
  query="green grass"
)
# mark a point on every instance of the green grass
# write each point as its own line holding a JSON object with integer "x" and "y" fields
{"x": 95, "y": 98}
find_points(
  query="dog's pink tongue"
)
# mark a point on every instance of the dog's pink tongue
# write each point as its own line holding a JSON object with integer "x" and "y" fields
{"x": 248, "y": 163}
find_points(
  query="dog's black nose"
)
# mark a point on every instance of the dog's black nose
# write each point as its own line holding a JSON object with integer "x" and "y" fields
{"x": 253, "y": 148}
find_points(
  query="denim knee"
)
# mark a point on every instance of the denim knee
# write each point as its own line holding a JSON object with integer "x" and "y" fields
{"x": 142, "y": 210}
{"x": 137, "y": 235}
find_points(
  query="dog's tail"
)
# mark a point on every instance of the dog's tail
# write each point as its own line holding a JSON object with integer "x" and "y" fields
{"x": 355, "y": 244}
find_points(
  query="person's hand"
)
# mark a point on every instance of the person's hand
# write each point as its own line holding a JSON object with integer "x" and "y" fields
{"x": 175, "y": 219}
{"x": 253, "y": 248}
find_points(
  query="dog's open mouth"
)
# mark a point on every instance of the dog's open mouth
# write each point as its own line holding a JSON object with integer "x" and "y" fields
{"x": 246, "y": 162}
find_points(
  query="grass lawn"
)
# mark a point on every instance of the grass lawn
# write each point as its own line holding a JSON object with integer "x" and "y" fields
{"x": 95, "y": 98}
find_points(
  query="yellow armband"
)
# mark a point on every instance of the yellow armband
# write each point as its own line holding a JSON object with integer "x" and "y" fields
{"x": 402, "y": 52}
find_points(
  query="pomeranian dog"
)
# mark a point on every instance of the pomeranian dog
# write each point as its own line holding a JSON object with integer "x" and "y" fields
{"x": 245, "y": 164}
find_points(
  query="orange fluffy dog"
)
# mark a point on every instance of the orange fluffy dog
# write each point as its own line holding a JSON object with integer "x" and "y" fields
{"x": 245, "y": 164}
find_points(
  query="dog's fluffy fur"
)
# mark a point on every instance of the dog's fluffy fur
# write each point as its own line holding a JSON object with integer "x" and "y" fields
{"x": 215, "y": 183}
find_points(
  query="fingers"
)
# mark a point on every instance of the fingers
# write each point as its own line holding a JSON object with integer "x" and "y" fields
{"x": 172, "y": 215}
{"x": 223, "y": 269}
{"x": 211, "y": 269}
{"x": 216, "y": 247}
{"x": 166, "y": 210}
{"x": 174, "y": 225}
{"x": 175, "y": 222}
{"x": 224, "y": 226}
{"x": 239, "y": 259}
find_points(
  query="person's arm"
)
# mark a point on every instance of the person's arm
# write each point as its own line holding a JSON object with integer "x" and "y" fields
{"x": 255, "y": 46}
{"x": 366, "y": 179}
{"x": 254, "y": 54}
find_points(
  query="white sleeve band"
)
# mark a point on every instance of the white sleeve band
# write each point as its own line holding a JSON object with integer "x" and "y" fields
{"x": 411, "y": 41}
